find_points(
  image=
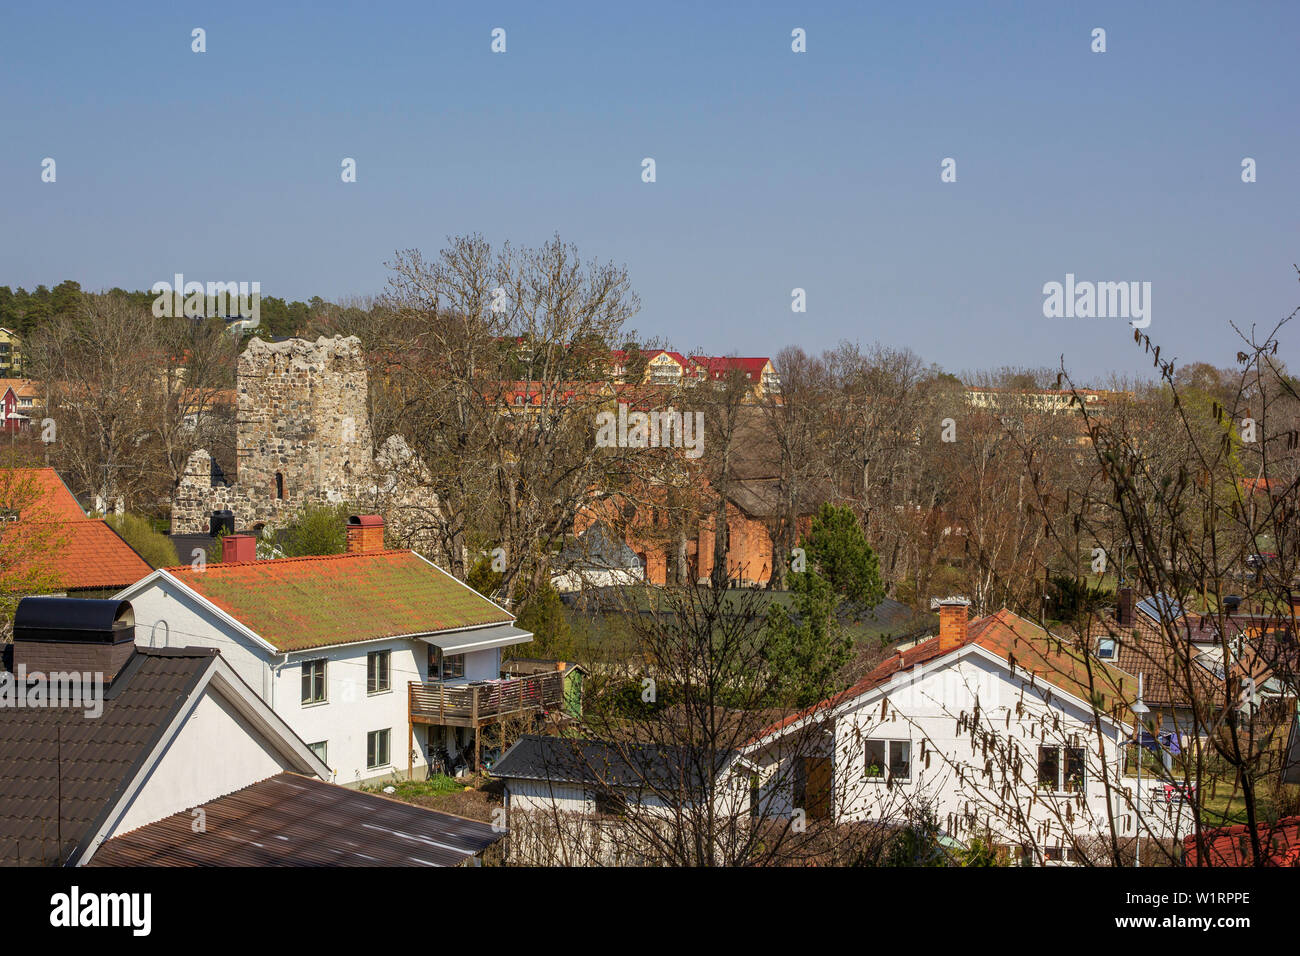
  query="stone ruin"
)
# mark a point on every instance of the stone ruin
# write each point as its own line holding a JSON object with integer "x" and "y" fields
{"x": 303, "y": 435}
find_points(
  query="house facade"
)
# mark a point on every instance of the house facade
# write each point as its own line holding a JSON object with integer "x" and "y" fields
{"x": 381, "y": 661}
{"x": 117, "y": 755}
{"x": 11, "y": 353}
{"x": 575, "y": 802}
{"x": 152, "y": 733}
{"x": 996, "y": 728}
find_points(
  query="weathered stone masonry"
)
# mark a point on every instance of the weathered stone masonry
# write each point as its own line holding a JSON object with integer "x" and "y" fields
{"x": 302, "y": 434}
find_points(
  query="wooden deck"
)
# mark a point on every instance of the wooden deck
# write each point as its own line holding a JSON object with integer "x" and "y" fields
{"x": 473, "y": 705}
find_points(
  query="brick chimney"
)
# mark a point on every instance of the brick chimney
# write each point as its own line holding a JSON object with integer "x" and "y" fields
{"x": 954, "y": 614}
{"x": 365, "y": 534}
{"x": 73, "y": 635}
{"x": 1127, "y": 610}
{"x": 238, "y": 547}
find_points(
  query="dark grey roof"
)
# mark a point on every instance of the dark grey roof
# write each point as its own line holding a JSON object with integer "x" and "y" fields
{"x": 1158, "y": 604}
{"x": 1291, "y": 765}
{"x": 291, "y": 820}
{"x": 642, "y": 767}
{"x": 61, "y": 772}
{"x": 601, "y": 548}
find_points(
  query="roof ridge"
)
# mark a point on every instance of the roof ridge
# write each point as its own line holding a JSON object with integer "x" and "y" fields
{"x": 186, "y": 651}
{"x": 289, "y": 560}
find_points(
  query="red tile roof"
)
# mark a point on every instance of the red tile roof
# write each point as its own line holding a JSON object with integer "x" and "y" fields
{"x": 23, "y": 387}
{"x": 94, "y": 556}
{"x": 55, "y": 502}
{"x": 719, "y": 366}
{"x": 83, "y": 554}
{"x": 1014, "y": 639}
{"x": 300, "y": 603}
{"x": 1230, "y": 846}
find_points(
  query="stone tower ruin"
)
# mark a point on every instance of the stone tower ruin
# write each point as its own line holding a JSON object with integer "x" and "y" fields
{"x": 303, "y": 435}
{"x": 303, "y": 429}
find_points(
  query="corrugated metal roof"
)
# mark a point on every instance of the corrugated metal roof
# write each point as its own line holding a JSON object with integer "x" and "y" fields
{"x": 290, "y": 820}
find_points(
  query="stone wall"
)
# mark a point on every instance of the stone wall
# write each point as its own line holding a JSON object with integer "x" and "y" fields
{"x": 303, "y": 435}
{"x": 303, "y": 425}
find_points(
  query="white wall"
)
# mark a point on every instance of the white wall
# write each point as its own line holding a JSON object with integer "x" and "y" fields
{"x": 348, "y": 713}
{"x": 951, "y": 774}
{"x": 215, "y": 752}
{"x": 168, "y": 617}
{"x": 483, "y": 665}
{"x": 165, "y": 616}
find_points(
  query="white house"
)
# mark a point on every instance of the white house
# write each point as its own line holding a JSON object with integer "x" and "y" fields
{"x": 567, "y": 799}
{"x": 117, "y": 755}
{"x": 990, "y": 725}
{"x": 340, "y": 646}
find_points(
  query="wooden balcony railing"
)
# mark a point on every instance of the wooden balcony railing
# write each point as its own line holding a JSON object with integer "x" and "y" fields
{"x": 436, "y": 702}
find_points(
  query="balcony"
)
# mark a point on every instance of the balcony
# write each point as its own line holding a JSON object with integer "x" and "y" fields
{"x": 475, "y": 704}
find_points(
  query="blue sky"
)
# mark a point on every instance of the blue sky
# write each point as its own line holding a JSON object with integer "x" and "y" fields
{"x": 775, "y": 170}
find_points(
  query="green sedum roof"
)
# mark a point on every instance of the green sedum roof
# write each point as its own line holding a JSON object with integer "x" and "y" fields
{"x": 300, "y": 603}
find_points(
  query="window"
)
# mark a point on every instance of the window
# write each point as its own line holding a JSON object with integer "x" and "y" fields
{"x": 1074, "y": 775}
{"x": 900, "y": 763}
{"x": 1058, "y": 777}
{"x": 321, "y": 750}
{"x": 279, "y": 485}
{"x": 445, "y": 667}
{"x": 1106, "y": 648}
{"x": 875, "y": 760}
{"x": 1049, "y": 768}
{"x": 887, "y": 760}
{"x": 377, "y": 749}
{"x": 313, "y": 681}
{"x": 609, "y": 803}
{"x": 377, "y": 671}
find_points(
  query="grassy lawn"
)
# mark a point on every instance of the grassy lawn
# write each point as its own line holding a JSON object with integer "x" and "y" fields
{"x": 412, "y": 790}
{"x": 473, "y": 797}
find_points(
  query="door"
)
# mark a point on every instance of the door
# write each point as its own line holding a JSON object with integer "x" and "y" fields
{"x": 813, "y": 787}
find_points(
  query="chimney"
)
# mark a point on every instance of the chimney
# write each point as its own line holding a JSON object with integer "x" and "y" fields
{"x": 238, "y": 547}
{"x": 954, "y": 613}
{"x": 1126, "y": 611}
{"x": 73, "y": 635}
{"x": 365, "y": 534}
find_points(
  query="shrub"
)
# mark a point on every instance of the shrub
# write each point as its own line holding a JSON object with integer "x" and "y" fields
{"x": 156, "y": 549}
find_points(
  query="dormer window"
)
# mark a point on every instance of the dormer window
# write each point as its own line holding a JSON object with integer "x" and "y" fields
{"x": 1106, "y": 648}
